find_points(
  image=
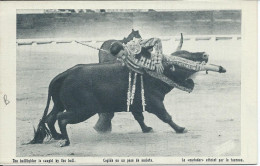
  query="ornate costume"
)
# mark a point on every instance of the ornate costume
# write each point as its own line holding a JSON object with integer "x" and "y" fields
{"x": 136, "y": 55}
{"x": 139, "y": 58}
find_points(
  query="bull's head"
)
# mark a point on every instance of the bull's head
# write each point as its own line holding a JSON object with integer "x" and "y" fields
{"x": 181, "y": 75}
{"x": 197, "y": 56}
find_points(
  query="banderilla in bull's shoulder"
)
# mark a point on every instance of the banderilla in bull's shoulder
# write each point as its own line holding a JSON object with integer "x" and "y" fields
{"x": 92, "y": 46}
{"x": 191, "y": 65}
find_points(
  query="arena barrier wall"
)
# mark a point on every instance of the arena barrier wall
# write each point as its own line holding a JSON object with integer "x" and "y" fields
{"x": 72, "y": 40}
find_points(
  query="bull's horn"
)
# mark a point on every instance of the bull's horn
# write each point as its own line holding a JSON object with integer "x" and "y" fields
{"x": 180, "y": 44}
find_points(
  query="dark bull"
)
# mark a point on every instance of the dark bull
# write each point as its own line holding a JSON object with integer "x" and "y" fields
{"x": 85, "y": 90}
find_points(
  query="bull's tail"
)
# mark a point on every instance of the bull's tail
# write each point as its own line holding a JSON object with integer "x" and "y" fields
{"x": 42, "y": 130}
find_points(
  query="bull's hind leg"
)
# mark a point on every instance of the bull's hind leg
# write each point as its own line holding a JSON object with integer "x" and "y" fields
{"x": 104, "y": 124}
{"x": 51, "y": 119}
{"x": 140, "y": 119}
{"x": 65, "y": 118}
{"x": 80, "y": 105}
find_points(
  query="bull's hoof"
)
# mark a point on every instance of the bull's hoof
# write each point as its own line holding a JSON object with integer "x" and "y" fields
{"x": 102, "y": 130}
{"x": 181, "y": 130}
{"x": 34, "y": 141}
{"x": 64, "y": 142}
{"x": 147, "y": 130}
{"x": 57, "y": 137}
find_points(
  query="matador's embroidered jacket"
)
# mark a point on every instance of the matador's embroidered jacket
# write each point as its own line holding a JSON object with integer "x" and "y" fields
{"x": 134, "y": 47}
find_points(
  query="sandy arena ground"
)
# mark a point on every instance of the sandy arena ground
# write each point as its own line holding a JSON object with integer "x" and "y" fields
{"x": 211, "y": 113}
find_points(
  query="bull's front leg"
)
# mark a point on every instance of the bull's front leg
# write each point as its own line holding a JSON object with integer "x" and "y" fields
{"x": 139, "y": 117}
{"x": 165, "y": 117}
{"x": 157, "y": 108}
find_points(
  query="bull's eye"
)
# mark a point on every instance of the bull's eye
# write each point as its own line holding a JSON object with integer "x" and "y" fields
{"x": 205, "y": 55}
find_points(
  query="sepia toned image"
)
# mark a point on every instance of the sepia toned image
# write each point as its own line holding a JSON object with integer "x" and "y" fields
{"x": 128, "y": 83}
{"x": 205, "y": 102}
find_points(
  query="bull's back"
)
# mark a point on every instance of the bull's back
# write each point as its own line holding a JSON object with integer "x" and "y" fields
{"x": 107, "y": 83}
{"x": 98, "y": 73}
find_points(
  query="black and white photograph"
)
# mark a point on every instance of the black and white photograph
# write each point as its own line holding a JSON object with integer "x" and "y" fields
{"x": 128, "y": 86}
{"x": 65, "y": 54}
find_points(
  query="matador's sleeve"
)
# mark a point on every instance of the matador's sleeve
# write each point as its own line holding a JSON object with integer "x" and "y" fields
{"x": 156, "y": 43}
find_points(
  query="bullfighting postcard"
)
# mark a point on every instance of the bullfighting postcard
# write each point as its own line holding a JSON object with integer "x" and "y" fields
{"x": 128, "y": 83}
